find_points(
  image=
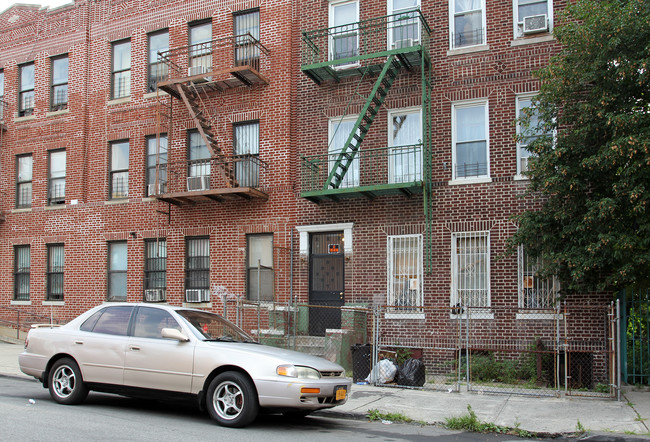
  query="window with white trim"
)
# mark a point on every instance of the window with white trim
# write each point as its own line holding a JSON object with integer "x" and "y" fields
{"x": 535, "y": 292}
{"x": 535, "y": 130}
{"x": 470, "y": 154}
{"x": 259, "y": 268}
{"x": 344, "y": 30}
{"x": 405, "y": 141}
{"x": 117, "y": 270}
{"x": 470, "y": 256}
{"x": 467, "y": 23}
{"x": 339, "y": 131}
{"x": 532, "y": 10}
{"x": 404, "y": 23}
{"x": 404, "y": 254}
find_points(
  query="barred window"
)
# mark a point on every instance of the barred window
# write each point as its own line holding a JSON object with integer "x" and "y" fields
{"x": 405, "y": 272}
{"x": 197, "y": 263}
{"x": 470, "y": 269}
{"x": 55, "y": 267}
{"x": 155, "y": 265}
{"x": 535, "y": 292}
{"x": 22, "y": 268}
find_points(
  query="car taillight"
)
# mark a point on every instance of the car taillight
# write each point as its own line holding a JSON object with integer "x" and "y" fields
{"x": 26, "y": 342}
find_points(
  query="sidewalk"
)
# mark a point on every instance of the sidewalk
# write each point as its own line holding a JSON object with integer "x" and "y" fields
{"x": 605, "y": 417}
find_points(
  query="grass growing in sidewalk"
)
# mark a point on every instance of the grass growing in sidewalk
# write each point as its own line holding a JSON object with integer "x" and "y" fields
{"x": 470, "y": 422}
{"x": 376, "y": 415}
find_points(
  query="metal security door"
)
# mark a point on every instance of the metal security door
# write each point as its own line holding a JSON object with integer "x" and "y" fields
{"x": 326, "y": 282}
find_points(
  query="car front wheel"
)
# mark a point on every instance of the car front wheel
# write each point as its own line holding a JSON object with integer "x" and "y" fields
{"x": 232, "y": 400}
{"x": 65, "y": 383}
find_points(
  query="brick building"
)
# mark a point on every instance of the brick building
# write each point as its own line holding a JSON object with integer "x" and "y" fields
{"x": 363, "y": 153}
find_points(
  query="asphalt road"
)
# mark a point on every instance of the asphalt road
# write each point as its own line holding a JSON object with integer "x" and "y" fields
{"x": 28, "y": 414}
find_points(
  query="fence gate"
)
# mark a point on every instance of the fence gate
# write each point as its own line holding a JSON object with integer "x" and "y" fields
{"x": 635, "y": 336}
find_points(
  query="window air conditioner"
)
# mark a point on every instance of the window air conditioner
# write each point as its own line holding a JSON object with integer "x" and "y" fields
{"x": 154, "y": 295}
{"x": 197, "y": 295}
{"x": 153, "y": 189}
{"x": 405, "y": 43}
{"x": 535, "y": 23}
{"x": 199, "y": 70}
{"x": 198, "y": 183}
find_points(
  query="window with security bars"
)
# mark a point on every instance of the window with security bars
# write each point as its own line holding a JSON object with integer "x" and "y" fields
{"x": 470, "y": 269}
{"x": 247, "y": 152}
{"x": 535, "y": 292}
{"x": 22, "y": 268}
{"x": 119, "y": 174}
{"x": 26, "y": 88}
{"x": 158, "y": 42}
{"x": 56, "y": 178}
{"x": 55, "y": 267}
{"x": 260, "y": 273}
{"x": 117, "y": 270}
{"x": 197, "y": 263}
{"x": 59, "y": 87}
{"x": 121, "y": 70}
{"x": 24, "y": 164}
{"x": 247, "y": 28}
{"x": 155, "y": 264}
{"x": 404, "y": 254}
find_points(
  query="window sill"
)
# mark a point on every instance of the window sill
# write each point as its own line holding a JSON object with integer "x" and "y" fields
{"x": 520, "y": 177}
{"x": 55, "y": 207}
{"x": 521, "y": 41}
{"x": 462, "y": 181}
{"x": 197, "y": 304}
{"x": 26, "y": 118}
{"x": 538, "y": 316}
{"x": 118, "y": 101}
{"x": 54, "y": 303}
{"x": 150, "y": 95}
{"x": 56, "y": 113}
{"x": 13, "y": 302}
{"x": 116, "y": 201}
{"x": 468, "y": 50}
{"x": 476, "y": 315}
{"x": 417, "y": 316}
{"x": 25, "y": 210}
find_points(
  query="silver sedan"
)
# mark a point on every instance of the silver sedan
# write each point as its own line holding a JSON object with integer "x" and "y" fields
{"x": 168, "y": 352}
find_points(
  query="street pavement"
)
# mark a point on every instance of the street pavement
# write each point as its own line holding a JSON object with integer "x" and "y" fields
{"x": 603, "y": 419}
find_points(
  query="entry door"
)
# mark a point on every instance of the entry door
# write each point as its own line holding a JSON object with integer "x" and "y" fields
{"x": 326, "y": 281}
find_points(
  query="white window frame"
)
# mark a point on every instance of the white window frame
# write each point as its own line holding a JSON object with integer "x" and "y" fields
{"x": 355, "y": 168}
{"x": 518, "y": 25}
{"x": 408, "y": 311}
{"x": 390, "y": 10}
{"x": 458, "y": 307}
{"x": 354, "y": 29}
{"x": 543, "y": 292}
{"x": 478, "y": 178}
{"x": 392, "y": 167}
{"x": 452, "y": 26}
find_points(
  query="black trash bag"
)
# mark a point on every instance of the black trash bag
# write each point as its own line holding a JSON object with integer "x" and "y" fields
{"x": 411, "y": 373}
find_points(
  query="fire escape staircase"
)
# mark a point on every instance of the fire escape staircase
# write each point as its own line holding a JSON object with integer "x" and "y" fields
{"x": 364, "y": 121}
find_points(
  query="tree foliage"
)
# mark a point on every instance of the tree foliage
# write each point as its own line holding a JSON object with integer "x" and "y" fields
{"x": 592, "y": 176}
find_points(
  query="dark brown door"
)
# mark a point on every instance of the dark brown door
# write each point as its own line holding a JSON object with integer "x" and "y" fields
{"x": 326, "y": 282}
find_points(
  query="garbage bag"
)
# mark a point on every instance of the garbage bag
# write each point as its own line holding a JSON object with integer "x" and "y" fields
{"x": 384, "y": 372}
{"x": 411, "y": 373}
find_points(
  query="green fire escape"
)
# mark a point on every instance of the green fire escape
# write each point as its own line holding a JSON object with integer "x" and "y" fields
{"x": 381, "y": 49}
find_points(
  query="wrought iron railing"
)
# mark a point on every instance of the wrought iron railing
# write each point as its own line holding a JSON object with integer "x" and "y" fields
{"x": 373, "y": 36}
{"x": 370, "y": 167}
{"x": 21, "y": 319}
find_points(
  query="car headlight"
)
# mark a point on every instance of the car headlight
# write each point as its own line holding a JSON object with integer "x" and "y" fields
{"x": 297, "y": 371}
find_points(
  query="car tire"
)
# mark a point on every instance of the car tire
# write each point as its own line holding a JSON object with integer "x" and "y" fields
{"x": 232, "y": 400}
{"x": 65, "y": 383}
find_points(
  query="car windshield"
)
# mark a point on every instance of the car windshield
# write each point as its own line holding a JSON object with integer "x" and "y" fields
{"x": 211, "y": 327}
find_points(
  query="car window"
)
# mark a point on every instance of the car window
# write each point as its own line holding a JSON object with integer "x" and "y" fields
{"x": 114, "y": 320}
{"x": 90, "y": 322}
{"x": 149, "y": 322}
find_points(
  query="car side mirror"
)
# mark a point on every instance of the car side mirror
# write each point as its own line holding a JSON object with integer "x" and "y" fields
{"x": 172, "y": 333}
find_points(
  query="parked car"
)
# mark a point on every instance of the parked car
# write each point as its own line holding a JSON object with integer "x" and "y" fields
{"x": 167, "y": 351}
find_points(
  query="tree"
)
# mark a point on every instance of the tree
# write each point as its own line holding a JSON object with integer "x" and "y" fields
{"x": 591, "y": 173}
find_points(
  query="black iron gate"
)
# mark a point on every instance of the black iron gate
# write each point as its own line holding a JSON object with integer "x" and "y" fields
{"x": 635, "y": 336}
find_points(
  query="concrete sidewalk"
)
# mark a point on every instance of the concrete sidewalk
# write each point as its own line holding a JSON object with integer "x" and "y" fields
{"x": 607, "y": 418}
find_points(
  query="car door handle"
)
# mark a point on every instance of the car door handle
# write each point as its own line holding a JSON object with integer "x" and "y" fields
{"x": 134, "y": 348}
{"x": 79, "y": 342}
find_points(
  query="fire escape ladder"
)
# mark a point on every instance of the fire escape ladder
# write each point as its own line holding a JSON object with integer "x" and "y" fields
{"x": 362, "y": 125}
{"x": 204, "y": 126}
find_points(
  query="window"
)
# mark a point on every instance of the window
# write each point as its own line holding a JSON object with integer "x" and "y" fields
{"x": 247, "y": 149}
{"x": 470, "y": 141}
{"x": 117, "y": 265}
{"x": 200, "y": 50}
{"x": 149, "y": 323}
{"x": 155, "y": 264}
{"x": 405, "y": 140}
{"x": 246, "y": 52}
{"x": 158, "y": 42}
{"x": 121, "y": 72}
{"x": 529, "y": 134}
{"x": 467, "y": 23}
{"x": 197, "y": 266}
{"x": 55, "y": 266}
{"x": 156, "y": 165}
{"x": 339, "y": 131}
{"x": 535, "y": 292}
{"x": 404, "y": 272}
{"x": 259, "y": 270}
{"x": 470, "y": 269}
{"x": 24, "y": 165}
{"x": 344, "y": 30}
{"x": 198, "y": 173}
{"x": 26, "y": 88}
{"x": 56, "y": 177}
{"x": 404, "y": 25}
{"x": 22, "y": 266}
{"x": 111, "y": 320}
{"x": 59, "y": 92}
{"x": 530, "y": 8}
{"x": 2, "y": 95}
{"x": 119, "y": 175}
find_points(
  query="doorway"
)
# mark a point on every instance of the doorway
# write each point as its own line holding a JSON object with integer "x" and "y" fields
{"x": 326, "y": 281}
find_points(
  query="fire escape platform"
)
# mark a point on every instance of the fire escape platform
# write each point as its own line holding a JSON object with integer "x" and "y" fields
{"x": 368, "y": 192}
{"x": 216, "y": 81}
{"x": 219, "y": 195}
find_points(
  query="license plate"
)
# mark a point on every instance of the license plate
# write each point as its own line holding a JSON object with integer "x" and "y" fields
{"x": 340, "y": 394}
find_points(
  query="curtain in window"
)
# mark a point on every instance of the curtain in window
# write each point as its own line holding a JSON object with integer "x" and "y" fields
{"x": 247, "y": 153}
{"x": 55, "y": 266}
{"x": 339, "y": 133}
{"x": 406, "y": 160}
{"x": 468, "y": 22}
{"x": 247, "y": 53}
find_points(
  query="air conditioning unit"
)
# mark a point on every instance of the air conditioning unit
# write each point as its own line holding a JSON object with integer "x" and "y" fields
{"x": 405, "y": 43}
{"x": 198, "y": 183}
{"x": 523, "y": 165}
{"x": 154, "y": 295}
{"x": 197, "y": 295}
{"x": 199, "y": 70}
{"x": 535, "y": 23}
{"x": 153, "y": 189}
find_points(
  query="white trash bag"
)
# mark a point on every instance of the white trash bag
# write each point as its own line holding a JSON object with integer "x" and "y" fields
{"x": 385, "y": 372}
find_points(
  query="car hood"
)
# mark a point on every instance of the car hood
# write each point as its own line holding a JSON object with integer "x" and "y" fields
{"x": 280, "y": 355}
